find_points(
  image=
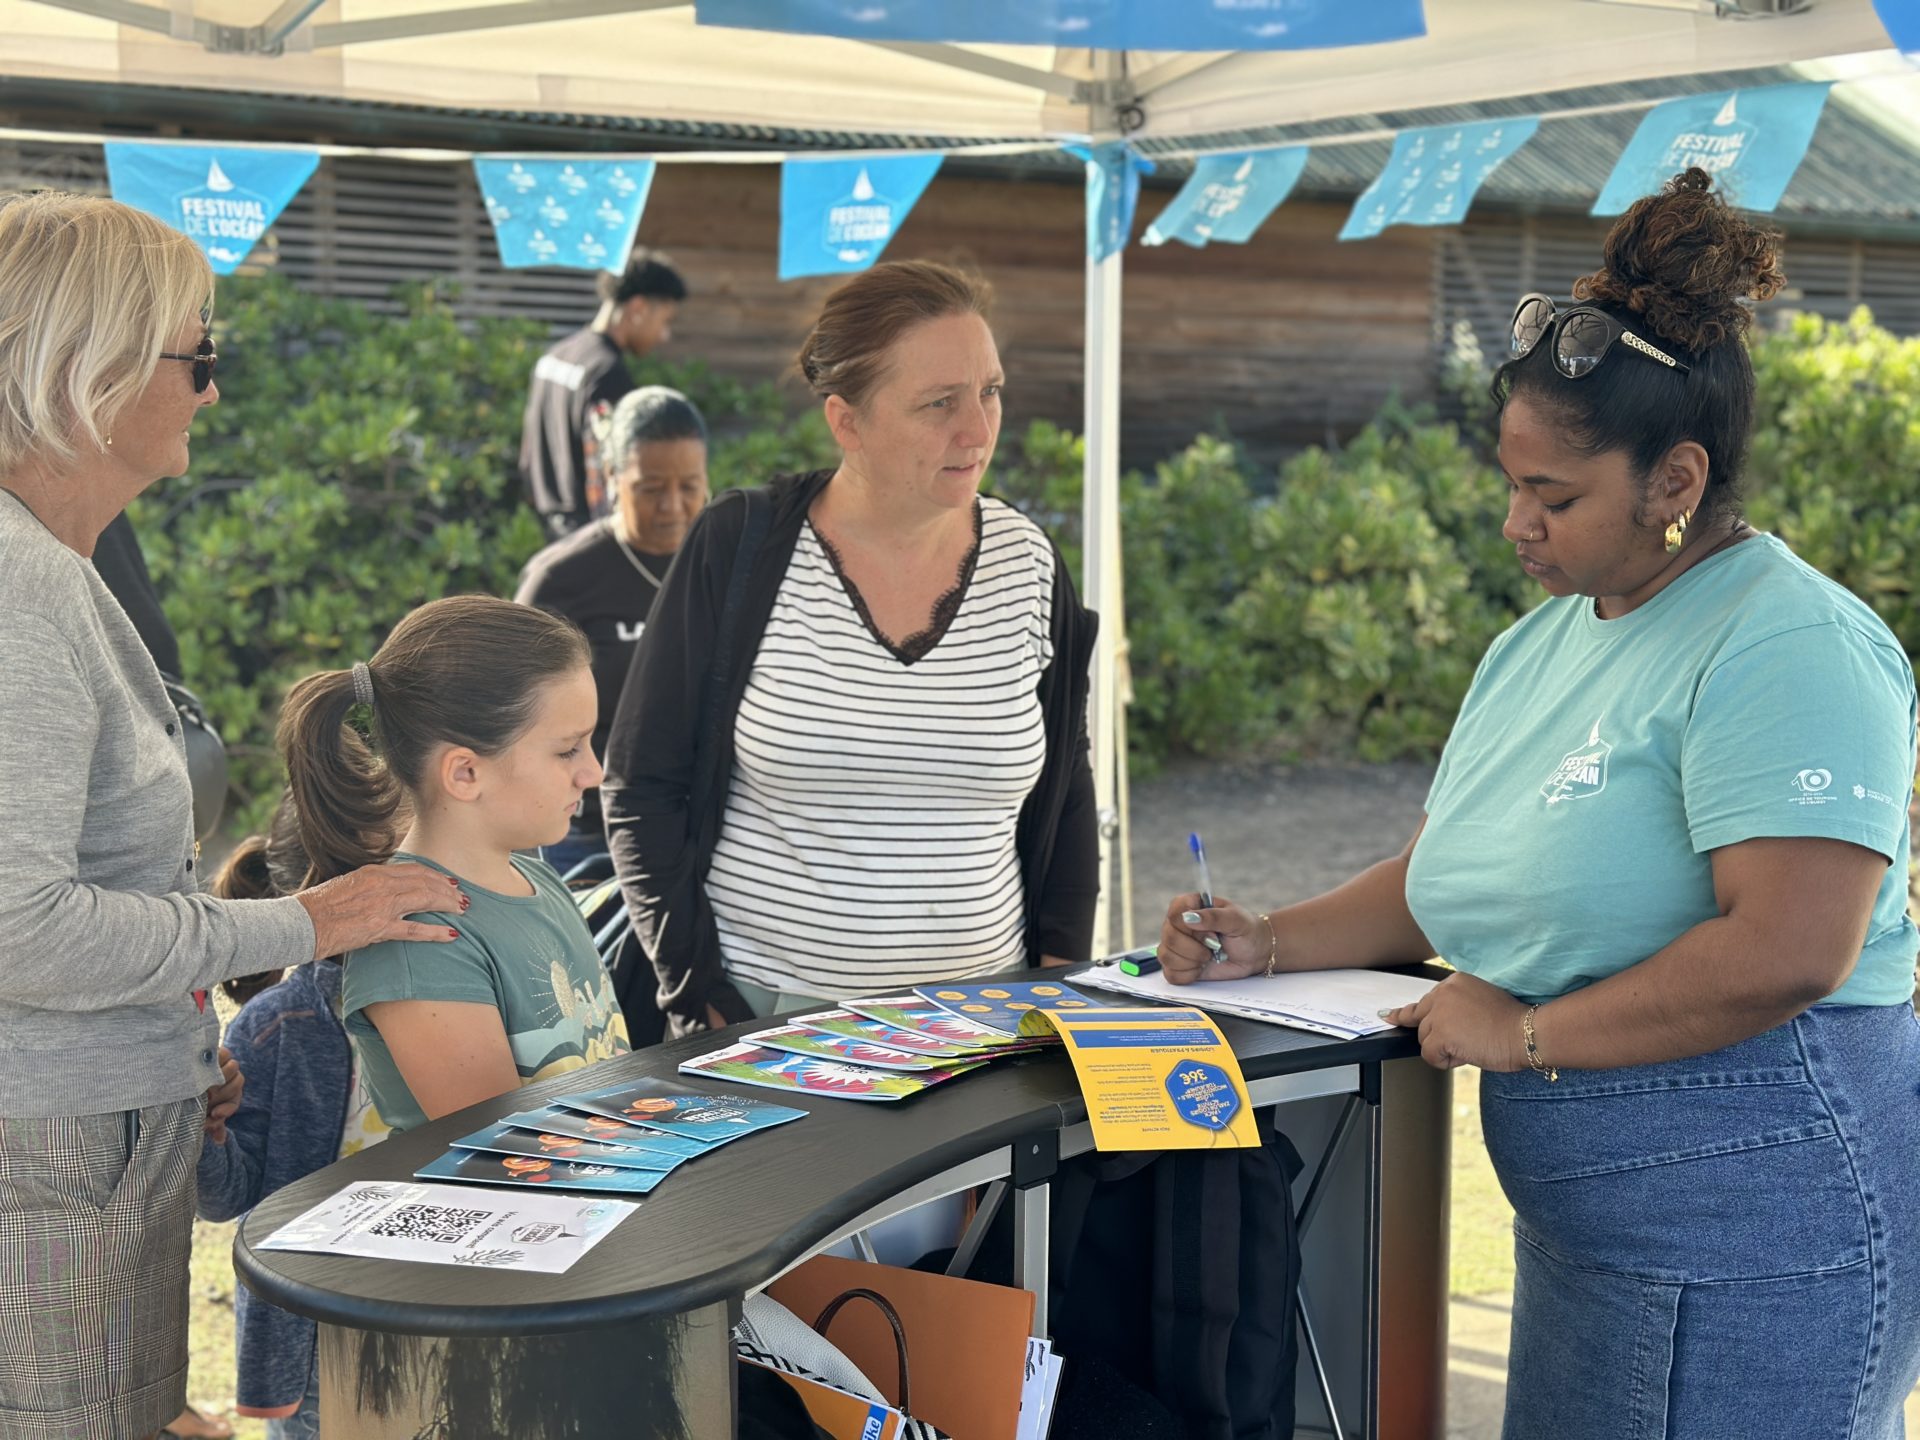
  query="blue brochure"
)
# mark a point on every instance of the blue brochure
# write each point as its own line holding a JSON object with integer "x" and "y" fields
{"x": 710, "y": 1119}
{"x": 604, "y": 1128}
{"x": 511, "y": 1140}
{"x": 479, "y": 1168}
{"x": 1002, "y": 1005}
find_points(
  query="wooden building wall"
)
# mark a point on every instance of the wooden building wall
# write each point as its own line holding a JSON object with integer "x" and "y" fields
{"x": 1291, "y": 339}
{"x": 1288, "y": 339}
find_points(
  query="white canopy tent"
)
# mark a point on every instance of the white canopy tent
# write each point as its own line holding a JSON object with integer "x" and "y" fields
{"x": 648, "y": 58}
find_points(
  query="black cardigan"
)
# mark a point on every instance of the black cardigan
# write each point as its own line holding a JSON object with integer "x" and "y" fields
{"x": 670, "y": 766}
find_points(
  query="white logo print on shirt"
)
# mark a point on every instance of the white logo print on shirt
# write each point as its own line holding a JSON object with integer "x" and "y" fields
{"x": 1581, "y": 773}
{"x": 1812, "y": 785}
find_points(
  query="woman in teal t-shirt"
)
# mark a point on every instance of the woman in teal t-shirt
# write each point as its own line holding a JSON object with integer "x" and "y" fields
{"x": 1667, "y": 851}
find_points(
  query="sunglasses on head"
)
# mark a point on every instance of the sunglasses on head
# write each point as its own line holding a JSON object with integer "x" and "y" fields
{"x": 203, "y": 359}
{"x": 1582, "y": 335}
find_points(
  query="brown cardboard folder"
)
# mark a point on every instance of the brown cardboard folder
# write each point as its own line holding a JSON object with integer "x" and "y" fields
{"x": 966, "y": 1341}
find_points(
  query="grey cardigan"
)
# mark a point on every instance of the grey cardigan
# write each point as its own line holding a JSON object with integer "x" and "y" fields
{"x": 104, "y": 937}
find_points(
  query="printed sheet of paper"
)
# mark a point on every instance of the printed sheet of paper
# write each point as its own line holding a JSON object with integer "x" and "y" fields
{"x": 453, "y": 1225}
{"x": 709, "y": 1119}
{"x": 1155, "y": 1079}
{"x": 1002, "y": 1005}
{"x": 749, "y": 1064}
{"x": 1342, "y": 1003}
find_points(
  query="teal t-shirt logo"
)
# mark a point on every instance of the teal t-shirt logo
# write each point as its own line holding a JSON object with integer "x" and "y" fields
{"x": 1812, "y": 785}
{"x": 1581, "y": 772}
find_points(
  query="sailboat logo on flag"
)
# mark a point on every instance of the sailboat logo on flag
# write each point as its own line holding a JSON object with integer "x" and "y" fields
{"x": 1228, "y": 197}
{"x": 1750, "y": 141}
{"x": 578, "y": 213}
{"x": 859, "y": 227}
{"x": 1714, "y": 147}
{"x": 223, "y": 199}
{"x": 837, "y": 216}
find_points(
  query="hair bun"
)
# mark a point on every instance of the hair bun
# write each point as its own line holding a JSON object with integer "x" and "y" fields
{"x": 1683, "y": 261}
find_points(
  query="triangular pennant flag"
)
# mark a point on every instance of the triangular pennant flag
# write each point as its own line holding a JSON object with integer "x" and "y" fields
{"x": 1902, "y": 19}
{"x": 1433, "y": 174}
{"x": 1750, "y": 141}
{"x": 222, "y": 197}
{"x": 837, "y": 215}
{"x": 1228, "y": 197}
{"x": 1082, "y": 24}
{"x": 570, "y": 212}
{"x": 1113, "y": 193}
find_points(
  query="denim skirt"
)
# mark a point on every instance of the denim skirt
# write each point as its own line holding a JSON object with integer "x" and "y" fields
{"x": 1720, "y": 1248}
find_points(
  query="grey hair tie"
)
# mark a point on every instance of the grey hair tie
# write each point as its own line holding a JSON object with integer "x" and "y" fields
{"x": 363, "y": 683}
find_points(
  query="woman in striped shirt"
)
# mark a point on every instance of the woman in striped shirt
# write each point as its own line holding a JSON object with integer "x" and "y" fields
{"x": 851, "y": 754}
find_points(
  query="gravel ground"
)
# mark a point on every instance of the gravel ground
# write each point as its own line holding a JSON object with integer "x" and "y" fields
{"x": 1274, "y": 834}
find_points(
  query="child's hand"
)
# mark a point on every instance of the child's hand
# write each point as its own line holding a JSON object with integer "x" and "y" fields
{"x": 223, "y": 1099}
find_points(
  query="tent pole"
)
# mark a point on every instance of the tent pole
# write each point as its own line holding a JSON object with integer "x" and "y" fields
{"x": 1100, "y": 551}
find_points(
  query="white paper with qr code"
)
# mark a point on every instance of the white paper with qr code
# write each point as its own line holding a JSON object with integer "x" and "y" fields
{"x": 453, "y": 1225}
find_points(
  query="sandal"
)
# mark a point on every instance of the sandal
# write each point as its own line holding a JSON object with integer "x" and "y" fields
{"x": 192, "y": 1425}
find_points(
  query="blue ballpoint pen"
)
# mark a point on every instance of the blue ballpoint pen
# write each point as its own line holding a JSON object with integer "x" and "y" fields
{"x": 1204, "y": 883}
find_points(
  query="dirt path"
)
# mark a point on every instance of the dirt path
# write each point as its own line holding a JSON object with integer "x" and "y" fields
{"x": 1274, "y": 834}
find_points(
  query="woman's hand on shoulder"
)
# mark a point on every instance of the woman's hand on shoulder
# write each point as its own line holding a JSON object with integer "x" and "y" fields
{"x": 1184, "y": 954}
{"x": 371, "y": 904}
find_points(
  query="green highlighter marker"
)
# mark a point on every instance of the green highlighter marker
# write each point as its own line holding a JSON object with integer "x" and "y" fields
{"x": 1139, "y": 962}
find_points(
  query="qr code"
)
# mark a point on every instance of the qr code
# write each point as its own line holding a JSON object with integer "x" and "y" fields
{"x": 438, "y": 1223}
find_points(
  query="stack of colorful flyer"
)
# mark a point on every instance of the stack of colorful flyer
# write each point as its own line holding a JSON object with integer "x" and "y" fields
{"x": 623, "y": 1138}
{"x": 891, "y": 1047}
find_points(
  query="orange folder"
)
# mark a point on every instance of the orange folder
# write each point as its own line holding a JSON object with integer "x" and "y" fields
{"x": 966, "y": 1341}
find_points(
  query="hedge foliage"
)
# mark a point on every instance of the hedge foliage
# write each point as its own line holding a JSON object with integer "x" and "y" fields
{"x": 359, "y": 465}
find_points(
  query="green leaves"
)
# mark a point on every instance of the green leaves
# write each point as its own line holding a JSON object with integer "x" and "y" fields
{"x": 361, "y": 463}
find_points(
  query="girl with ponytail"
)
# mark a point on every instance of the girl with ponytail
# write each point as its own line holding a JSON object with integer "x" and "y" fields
{"x": 464, "y": 740}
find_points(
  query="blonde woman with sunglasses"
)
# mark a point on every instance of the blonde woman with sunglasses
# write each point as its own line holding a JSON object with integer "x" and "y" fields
{"x": 109, "y": 1062}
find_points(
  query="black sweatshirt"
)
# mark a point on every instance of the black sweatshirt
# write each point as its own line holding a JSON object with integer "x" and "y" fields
{"x": 664, "y": 814}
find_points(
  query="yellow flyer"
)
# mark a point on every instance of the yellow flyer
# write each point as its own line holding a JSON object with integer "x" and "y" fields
{"x": 1154, "y": 1079}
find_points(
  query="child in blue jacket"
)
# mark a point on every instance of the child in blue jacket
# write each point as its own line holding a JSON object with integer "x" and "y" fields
{"x": 301, "y": 1109}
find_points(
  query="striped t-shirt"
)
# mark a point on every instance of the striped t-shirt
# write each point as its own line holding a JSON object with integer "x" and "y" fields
{"x": 868, "y": 842}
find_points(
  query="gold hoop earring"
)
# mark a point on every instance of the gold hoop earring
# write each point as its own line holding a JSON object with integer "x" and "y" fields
{"x": 1677, "y": 532}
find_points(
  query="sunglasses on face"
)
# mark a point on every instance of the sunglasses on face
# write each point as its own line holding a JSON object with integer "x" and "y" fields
{"x": 203, "y": 359}
{"x": 1582, "y": 336}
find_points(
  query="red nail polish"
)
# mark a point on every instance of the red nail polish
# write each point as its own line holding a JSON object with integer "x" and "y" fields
{"x": 453, "y": 932}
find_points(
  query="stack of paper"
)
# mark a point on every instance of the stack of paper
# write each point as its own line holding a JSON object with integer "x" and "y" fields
{"x": 625, "y": 1138}
{"x": 1345, "y": 1004}
{"x": 891, "y": 1047}
{"x": 1039, "y": 1389}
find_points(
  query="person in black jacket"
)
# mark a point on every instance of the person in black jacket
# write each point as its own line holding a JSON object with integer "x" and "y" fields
{"x": 851, "y": 755}
{"x": 576, "y": 384}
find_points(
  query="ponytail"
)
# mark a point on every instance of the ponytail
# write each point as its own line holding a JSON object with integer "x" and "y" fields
{"x": 347, "y": 803}
{"x": 261, "y": 867}
{"x": 465, "y": 670}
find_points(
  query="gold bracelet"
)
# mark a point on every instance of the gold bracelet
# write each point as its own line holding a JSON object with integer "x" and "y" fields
{"x": 1534, "y": 1062}
{"x": 1273, "y": 943}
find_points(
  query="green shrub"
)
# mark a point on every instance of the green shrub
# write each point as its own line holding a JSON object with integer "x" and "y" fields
{"x": 358, "y": 466}
{"x": 1836, "y": 457}
{"x": 1344, "y": 615}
